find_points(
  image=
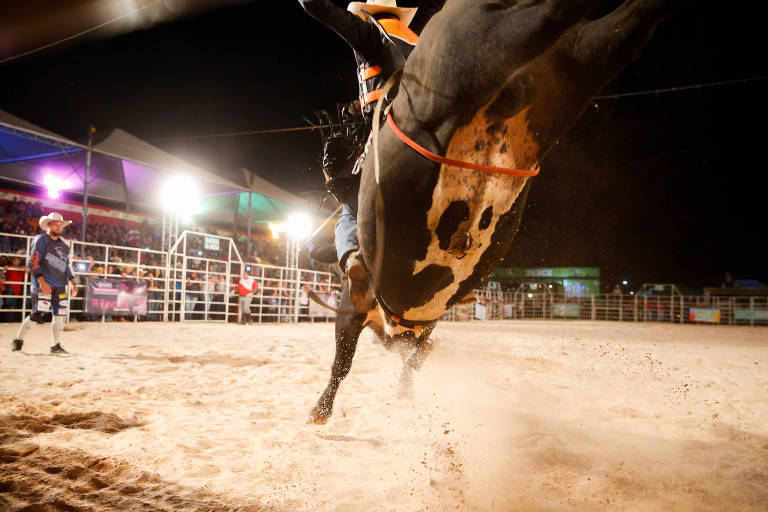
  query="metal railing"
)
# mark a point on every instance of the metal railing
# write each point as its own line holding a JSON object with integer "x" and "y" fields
{"x": 188, "y": 283}
{"x": 194, "y": 283}
{"x": 673, "y": 308}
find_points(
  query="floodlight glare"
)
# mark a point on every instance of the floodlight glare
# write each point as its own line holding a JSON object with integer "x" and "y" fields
{"x": 54, "y": 185}
{"x": 181, "y": 195}
{"x": 299, "y": 225}
{"x": 276, "y": 228}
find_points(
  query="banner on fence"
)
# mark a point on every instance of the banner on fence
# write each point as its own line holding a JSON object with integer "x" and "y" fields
{"x": 566, "y": 310}
{"x": 706, "y": 315}
{"x": 750, "y": 314}
{"x": 211, "y": 243}
{"x": 115, "y": 297}
{"x": 481, "y": 312}
{"x": 318, "y": 311}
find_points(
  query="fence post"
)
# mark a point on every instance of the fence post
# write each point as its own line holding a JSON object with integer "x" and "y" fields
{"x": 634, "y": 309}
{"x": 731, "y": 309}
{"x": 621, "y": 308}
{"x": 682, "y": 309}
{"x": 592, "y": 302}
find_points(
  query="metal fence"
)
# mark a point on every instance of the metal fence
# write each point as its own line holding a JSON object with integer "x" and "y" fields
{"x": 194, "y": 281}
{"x": 672, "y": 308}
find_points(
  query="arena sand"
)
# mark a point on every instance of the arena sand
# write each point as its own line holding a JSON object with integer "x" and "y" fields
{"x": 507, "y": 416}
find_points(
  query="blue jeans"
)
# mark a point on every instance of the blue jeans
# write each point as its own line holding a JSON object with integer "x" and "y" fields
{"x": 346, "y": 234}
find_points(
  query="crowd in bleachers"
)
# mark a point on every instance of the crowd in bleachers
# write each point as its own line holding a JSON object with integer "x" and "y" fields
{"x": 139, "y": 256}
{"x": 21, "y": 217}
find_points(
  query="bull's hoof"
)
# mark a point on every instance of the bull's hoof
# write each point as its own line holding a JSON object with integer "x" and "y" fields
{"x": 319, "y": 416}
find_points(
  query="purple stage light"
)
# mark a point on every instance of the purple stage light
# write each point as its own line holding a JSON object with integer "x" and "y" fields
{"x": 54, "y": 185}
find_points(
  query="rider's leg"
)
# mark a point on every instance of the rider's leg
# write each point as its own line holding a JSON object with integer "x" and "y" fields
{"x": 350, "y": 260}
{"x": 346, "y": 235}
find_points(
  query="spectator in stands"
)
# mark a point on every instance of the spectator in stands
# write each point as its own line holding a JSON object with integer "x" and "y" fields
{"x": 154, "y": 293}
{"x": 304, "y": 303}
{"x": 245, "y": 288}
{"x": 728, "y": 281}
{"x": 211, "y": 287}
{"x": 5, "y": 302}
{"x": 15, "y": 275}
{"x": 192, "y": 295}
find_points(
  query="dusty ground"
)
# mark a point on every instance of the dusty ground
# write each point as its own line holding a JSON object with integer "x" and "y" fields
{"x": 508, "y": 416}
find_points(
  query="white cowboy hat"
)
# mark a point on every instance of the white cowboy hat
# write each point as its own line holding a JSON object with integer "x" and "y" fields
{"x": 45, "y": 219}
{"x": 404, "y": 14}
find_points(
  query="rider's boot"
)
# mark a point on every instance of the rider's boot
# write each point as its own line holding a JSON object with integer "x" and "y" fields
{"x": 358, "y": 278}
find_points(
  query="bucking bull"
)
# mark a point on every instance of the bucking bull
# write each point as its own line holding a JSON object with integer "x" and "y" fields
{"x": 492, "y": 83}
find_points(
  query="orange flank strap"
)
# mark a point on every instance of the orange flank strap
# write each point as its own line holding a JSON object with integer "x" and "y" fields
{"x": 372, "y": 96}
{"x": 456, "y": 163}
{"x": 370, "y": 73}
{"x": 398, "y": 29}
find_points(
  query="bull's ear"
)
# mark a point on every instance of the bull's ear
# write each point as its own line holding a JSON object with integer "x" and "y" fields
{"x": 467, "y": 299}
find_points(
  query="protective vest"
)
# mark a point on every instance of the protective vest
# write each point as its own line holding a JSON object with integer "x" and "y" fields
{"x": 398, "y": 41}
{"x": 50, "y": 259}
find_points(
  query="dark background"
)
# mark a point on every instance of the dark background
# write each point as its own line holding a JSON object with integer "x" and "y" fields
{"x": 662, "y": 187}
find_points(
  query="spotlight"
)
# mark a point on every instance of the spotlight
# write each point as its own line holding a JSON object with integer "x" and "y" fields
{"x": 299, "y": 225}
{"x": 181, "y": 195}
{"x": 54, "y": 185}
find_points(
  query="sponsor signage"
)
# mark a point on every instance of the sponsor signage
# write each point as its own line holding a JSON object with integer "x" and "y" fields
{"x": 115, "y": 297}
{"x": 705, "y": 315}
{"x": 566, "y": 310}
{"x": 481, "y": 312}
{"x": 750, "y": 314}
{"x": 211, "y": 243}
{"x": 557, "y": 272}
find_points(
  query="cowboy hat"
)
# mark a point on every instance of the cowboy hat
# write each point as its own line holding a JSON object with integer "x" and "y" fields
{"x": 46, "y": 219}
{"x": 404, "y": 14}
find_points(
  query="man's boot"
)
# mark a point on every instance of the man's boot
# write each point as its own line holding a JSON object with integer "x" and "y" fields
{"x": 358, "y": 278}
{"x": 58, "y": 349}
{"x": 16, "y": 345}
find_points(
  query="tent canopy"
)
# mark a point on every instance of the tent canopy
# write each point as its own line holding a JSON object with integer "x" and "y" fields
{"x": 126, "y": 169}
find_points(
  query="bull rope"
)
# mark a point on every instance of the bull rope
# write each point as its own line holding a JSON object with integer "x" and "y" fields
{"x": 455, "y": 163}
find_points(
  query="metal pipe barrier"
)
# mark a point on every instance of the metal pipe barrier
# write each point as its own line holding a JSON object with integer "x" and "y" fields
{"x": 670, "y": 308}
{"x": 188, "y": 283}
{"x": 196, "y": 281}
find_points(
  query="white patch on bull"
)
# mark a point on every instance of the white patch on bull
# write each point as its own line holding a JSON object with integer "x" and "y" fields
{"x": 479, "y": 190}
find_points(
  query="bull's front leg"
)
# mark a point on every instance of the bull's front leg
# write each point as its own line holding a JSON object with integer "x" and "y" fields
{"x": 348, "y": 329}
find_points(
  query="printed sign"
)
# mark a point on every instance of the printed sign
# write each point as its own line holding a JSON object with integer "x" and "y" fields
{"x": 750, "y": 314}
{"x": 706, "y": 315}
{"x": 566, "y": 310}
{"x": 481, "y": 312}
{"x": 211, "y": 243}
{"x": 115, "y": 297}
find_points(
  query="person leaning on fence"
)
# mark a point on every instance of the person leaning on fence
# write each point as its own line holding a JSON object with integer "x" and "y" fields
{"x": 245, "y": 289}
{"x": 49, "y": 265}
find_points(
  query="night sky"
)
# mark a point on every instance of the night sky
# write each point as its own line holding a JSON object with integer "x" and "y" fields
{"x": 665, "y": 187}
